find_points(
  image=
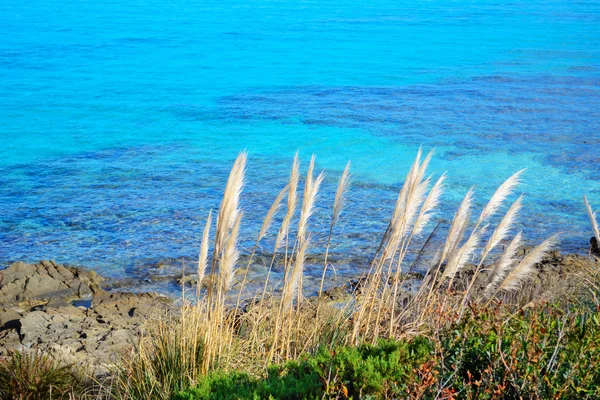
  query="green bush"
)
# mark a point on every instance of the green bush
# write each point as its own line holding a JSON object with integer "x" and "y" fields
{"x": 291, "y": 381}
{"x": 550, "y": 352}
{"x": 382, "y": 371}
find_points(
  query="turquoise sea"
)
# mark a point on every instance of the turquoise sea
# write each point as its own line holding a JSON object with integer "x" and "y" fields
{"x": 119, "y": 120}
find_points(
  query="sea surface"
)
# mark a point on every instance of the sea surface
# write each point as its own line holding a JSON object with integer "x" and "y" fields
{"x": 119, "y": 120}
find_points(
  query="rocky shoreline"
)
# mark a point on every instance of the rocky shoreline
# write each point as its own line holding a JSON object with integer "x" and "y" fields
{"x": 63, "y": 311}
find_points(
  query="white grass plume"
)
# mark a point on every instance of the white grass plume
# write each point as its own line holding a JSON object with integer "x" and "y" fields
{"x": 462, "y": 255}
{"x": 410, "y": 199}
{"x": 294, "y": 280}
{"x": 506, "y": 260}
{"x": 291, "y": 203}
{"x": 457, "y": 228}
{"x": 408, "y": 183}
{"x": 431, "y": 202}
{"x": 340, "y": 194}
{"x": 499, "y": 196}
{"x": 593, "y": 219}
{"x": 311, "y": 189}
{"x": 229, "y": 208}
{"x": 230, "y": 255}
{"x": 423, "y": 167}
{"x": 504, "y": 226}
{"x": 523, "y": 270}
{"x": 272, "y": 211}
{"x": 203, "y": 257}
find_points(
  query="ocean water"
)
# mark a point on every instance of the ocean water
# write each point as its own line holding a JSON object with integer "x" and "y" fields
{"x": 119, "y": 121}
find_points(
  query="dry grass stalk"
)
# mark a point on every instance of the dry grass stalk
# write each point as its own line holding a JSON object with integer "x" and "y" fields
{"x": 462, "y": 255}
{"x": 271, "y": 213}
{"x": 203, "y": 257}
{"x": 593, "y": 219}
{"x": 378, "y": 294}
{"x": 268, "y": 221}
{"x": 230, "y": 256}
{"x": 458, "y": 226}
{"x": 228, "y": 209}
{"x": 338, "y": 205}
{"x": 311, "y": 188}
{"x": 291, "y": 204}
{"x": 340, "y": 194}
{"x": 293, "y": 287}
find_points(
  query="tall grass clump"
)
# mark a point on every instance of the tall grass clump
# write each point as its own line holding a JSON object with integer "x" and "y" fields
{"x": 480, "y": 264}
{"x": 35, "y": 376}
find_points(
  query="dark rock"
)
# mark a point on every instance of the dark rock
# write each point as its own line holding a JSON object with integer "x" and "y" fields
{"x": 9, "y": 319}
{"x": 594, "y": 246}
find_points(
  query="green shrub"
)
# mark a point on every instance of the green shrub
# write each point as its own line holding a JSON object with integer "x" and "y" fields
{"x": 545, "y": 353}
{"x": 382, "y": 371}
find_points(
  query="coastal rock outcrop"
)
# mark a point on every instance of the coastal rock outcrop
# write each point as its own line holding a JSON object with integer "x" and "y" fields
{"x": 23, "y": 283}
{"x": 64, "y": 312}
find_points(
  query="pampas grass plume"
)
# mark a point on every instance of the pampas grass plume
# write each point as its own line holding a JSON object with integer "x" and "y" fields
{"x": 342, "y": 188}
{"x": 523, "y": 270}
{"x": 203, "y": 257}
{"x": 499, "y": 196}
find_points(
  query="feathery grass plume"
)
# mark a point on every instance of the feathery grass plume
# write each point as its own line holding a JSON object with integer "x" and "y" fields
{"x": 338, "y": 203}
{"x": 504, "y": 226}
{"x": 291, "y": 203}
{"x": 457, "y": 228}
{"x": 416, "y": 194}
{"x": 431, "y": 202}
{"x": 311, "y": 189}
{"x": 593, "y": 220}
{"x": 203, "y": 257}
{"x": 294, "y": 287}
{"x": 515, "y": 278}
{"x": 423, "y": 168}
{"x": 230, "y": 255}
{"x": 416, "y": 198}
{"x": 499, "y": 196}
{"x": 410, "y": 198}
{"x": 272, "y": 211}
{"x": 506, "y": 260}
{"x": 461, "y": 255}
{"x": 229, "y": 208}
{"x": 408, "y": 183}
{"x": 392, "y": 230}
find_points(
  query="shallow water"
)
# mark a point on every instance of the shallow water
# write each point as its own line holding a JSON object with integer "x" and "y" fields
{"x": 120, "y": 121}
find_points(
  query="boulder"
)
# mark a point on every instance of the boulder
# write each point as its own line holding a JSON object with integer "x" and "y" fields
{"x": 23, "y": 283}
